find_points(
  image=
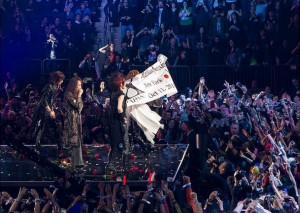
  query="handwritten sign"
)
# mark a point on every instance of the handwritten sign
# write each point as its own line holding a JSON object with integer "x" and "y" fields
{"x": 153, "y": 83}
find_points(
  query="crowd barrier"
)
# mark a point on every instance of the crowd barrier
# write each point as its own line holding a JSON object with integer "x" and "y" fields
{"x": 277, "y": 77}
{"x": 34, "y": 71}
{"x": 26, "y": 71}
{"x": 50, "y": 65}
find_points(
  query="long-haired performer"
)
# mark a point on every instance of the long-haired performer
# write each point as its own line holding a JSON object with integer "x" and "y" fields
{"x": 44, "y": 114}
{"x": 72, "y": 123}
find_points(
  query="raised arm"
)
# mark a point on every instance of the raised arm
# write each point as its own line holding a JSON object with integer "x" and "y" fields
{"x": 103, "y": 49}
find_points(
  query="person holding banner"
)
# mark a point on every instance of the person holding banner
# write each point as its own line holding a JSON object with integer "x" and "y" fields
{"x": 143, "y": 88}
{"x": 147, "y": 119}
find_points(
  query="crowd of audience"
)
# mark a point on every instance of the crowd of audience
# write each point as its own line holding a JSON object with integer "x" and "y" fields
{"x": 80, "y": 197}
{"x": 193, "y": 32}
{"x": 250, "y": 164}
{"x": 48, "y": 29}
{"x": 252, "y": 136}
{"x": 205, "y": 32}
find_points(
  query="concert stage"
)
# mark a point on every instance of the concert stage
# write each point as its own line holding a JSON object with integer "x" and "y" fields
{"x": 17, "y": 169}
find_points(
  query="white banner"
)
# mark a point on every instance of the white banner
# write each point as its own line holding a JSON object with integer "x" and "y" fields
{"x": 151, "y": 84}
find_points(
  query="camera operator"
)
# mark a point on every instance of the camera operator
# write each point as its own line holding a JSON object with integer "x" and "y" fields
{"x": 126, "y": 18}
{"x": 68, "y": 48}
{"x": 87, "y": 67}
{"x": 148, "y": 15}
{"x": 202, "y": 14}
{"x": 239, "y": 187}
{"x": 215, "y": 179}
{"x": 87, "y": 27}
{"x": 214, "y": 202}
{"x": 87, "y": 20}
{"x": 148, "y": 9}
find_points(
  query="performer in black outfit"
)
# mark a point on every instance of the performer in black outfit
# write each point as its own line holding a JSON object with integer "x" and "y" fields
{"x": 44, "y": 115}
{"x": 117, "y": 128}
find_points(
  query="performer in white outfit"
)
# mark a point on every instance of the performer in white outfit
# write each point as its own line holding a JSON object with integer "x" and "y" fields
{"x": 142, "y": 88}
{"x": 146, "y": 119}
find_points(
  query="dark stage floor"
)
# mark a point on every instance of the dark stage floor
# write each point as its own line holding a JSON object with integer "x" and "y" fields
{"x": 163, "y": 159}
